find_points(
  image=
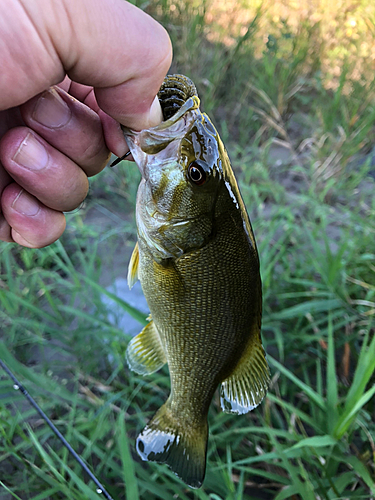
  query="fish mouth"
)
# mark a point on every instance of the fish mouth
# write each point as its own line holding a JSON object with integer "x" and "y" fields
{"x": 180, "y": 106}
{"x": 178, "y": 98}
{"x": 159, "y": 145}
{"x": 155, "y": 139}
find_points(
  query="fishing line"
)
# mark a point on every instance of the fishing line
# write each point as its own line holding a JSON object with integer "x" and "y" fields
{"x": 19, "y": 387}
{"x": 117, "y": 161}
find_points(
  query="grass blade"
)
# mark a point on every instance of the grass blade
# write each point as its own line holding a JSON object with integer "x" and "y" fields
{"x": 314, "y": 396}
{"x": 332, "y": 391}
{"x": 128, "y": 470}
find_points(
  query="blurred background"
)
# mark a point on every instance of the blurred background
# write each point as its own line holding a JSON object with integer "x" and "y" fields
{"x": 290, "y": 87}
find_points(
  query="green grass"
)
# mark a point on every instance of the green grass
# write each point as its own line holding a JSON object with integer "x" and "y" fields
{"x": 299, "y": 148}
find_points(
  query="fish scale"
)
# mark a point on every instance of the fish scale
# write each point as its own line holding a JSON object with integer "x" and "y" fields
{"x": 198, "y": 264}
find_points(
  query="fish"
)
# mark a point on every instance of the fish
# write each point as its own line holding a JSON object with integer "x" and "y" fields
{"x": 198, "y": 264}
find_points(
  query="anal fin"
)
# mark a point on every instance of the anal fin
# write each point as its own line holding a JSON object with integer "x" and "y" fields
{"x": 133, "y": 267}
{"x": 145, "y": 353}
{"x": 246, "y": 387}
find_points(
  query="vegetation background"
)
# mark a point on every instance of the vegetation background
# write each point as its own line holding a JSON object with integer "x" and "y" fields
{"x": 290, "y": 86}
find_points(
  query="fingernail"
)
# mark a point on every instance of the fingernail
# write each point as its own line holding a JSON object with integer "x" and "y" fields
{"x": 156, "y": 114}
{"x": 31, "y": 154}
{"x": 51, "y": 110}
{"x": 26, "y": 204}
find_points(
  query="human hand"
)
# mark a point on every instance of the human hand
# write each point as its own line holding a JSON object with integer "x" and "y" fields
{"x": 70, "y": 71}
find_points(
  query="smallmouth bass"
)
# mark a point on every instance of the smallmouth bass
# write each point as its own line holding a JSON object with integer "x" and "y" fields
{"x": 198, "y": 265}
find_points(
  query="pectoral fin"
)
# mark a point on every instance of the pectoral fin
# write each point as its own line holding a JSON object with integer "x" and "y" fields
{"x": 133, "y": 267}
{"x": 248, "y": 384}
{"x": 145, "y": 353}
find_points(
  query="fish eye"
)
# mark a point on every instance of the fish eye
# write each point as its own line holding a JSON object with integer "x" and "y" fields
{"x": 196, "y": 173}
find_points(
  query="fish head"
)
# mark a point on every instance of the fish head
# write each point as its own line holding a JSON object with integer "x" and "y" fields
{"x": 181, "y": 165}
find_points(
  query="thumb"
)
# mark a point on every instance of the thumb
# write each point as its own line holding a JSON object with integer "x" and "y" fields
{"x": 110, "y": 45}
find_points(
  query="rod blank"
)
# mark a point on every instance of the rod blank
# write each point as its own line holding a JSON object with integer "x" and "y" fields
{"x": 18, "y": 386}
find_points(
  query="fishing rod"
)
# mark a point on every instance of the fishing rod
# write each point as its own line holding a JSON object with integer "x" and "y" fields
{"x": 19, "y": 387}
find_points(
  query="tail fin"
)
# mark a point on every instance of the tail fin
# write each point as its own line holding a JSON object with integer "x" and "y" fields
{"x": 182, "y": 446}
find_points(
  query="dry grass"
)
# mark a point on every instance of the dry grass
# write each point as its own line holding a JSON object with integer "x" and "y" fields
{"x": 343, "y": 31}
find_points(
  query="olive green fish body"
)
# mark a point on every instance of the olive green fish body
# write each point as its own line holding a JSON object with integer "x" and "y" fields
{"x": 198, "y": 265}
